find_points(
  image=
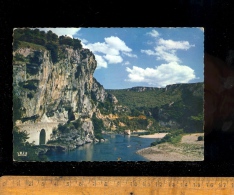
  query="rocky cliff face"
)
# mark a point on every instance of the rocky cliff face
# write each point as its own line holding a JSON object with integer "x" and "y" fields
{"x": 187, "y": 111}
{"x": 56, "y": 92}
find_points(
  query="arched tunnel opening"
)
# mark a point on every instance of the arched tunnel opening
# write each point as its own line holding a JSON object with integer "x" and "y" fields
{"x": 42, "y": 137}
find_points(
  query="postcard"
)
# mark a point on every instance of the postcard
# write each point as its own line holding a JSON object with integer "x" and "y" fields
{"x": 108, "y": 94}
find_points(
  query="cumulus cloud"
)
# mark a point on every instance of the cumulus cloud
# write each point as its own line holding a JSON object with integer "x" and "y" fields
{"x": 62, "y": 31}
{"x": 153, "y": 33}
{"x": 111, "y": 46}
{"x": 167, "y": 55}
{"x": 149, "y": 52}
{"x": 111, "y": 50}
{"x": 166, "y": 49}
{"x": 162, "y": 54}
{"x": 84, "y": 41}
{"x": 162, "y": 75}
{"x": 102, "y": 48}
{"x": 117, "y": 43}
{"x": 113, "y": 59}
{"x": 101, "y": 63}
{"x": 172, "y": 45}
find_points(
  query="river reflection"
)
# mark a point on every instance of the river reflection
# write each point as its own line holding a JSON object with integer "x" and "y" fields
{"x": 89, "y": 154}
{"x": 115, "y": 148}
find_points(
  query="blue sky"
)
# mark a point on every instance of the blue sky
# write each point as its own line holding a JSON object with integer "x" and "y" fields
{"x": 155, "y": 57}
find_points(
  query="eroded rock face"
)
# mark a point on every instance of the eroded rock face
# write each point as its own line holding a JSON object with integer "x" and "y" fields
{"x": 57, "y": 92}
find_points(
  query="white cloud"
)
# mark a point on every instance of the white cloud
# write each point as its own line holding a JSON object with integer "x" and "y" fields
{"x": 166, "y": 49}
{"x": 171, "y": 45}
{"x": 84, "y": 41}
{"x": 102, "y": 48}
{"x": 69, "y": 36}
{"x": 162, "y": 75}
{"x": 150, "y": 42}
{"x": 166, "y": 55}
{"x": 162, "y": 54}
{"x": 112, "y": 59}
{"x": 110, "y": 50}
{"x": 117, "y": 43}
{"x": 126, "y": 63}
{"x": 149, "y": 52}
{"x": 130, "y": 55}
{"x": 153, "y": 33}
{"x": 136, "y": 74}
{"x": 62, "y": 31}
{"x": 111, "y": 46}
{"x": 101, "y": 63}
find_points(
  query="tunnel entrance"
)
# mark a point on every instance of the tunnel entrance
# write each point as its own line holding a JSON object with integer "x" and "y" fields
{"x": 42, "y": 137}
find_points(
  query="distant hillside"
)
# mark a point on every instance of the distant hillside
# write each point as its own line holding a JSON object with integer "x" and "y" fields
{"x": 178, "y": 105}
{"x": 138, "y": 97}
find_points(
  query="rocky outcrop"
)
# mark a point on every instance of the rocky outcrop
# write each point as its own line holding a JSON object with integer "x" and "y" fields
{"x": 141, "y": 89}
{"x": 57, "y": 92}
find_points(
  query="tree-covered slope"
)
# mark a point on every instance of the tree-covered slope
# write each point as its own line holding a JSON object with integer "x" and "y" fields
{"x": 138, "y": 97}
{"x": 175, "y": 106}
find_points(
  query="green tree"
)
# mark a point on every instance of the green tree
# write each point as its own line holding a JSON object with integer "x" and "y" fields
{"x": 98, "y": 126}
{"x": 54, "y": 51}
{"x": 16, "y": 44}
{"x": 39, "y": 41}
{"x": 64, "y": 40}
{"x": 77, "y": 44}
{"x": 54, "y": 37}
{"x": 43, "y": 34}
{"x": 49, "y": 35}
{"x": 19, "y": 137}
{"x": 36, "y": 32}
{"x": 63, "y": 128}
{"x": 16, "y": 107}
{"x": 77, "y": 123}
{"x": 61, "y": 38}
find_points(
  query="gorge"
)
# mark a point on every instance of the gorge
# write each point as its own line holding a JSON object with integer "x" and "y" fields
{"x": 58, "y": 102}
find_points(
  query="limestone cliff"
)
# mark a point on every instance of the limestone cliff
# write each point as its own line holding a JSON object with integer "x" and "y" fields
{"x": 56, "y": 92}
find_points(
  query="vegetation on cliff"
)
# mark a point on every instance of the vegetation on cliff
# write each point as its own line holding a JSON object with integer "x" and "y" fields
{"x": 98, "y": 126}
{"x": 37, "y": 53}
{"x": 40, "y": 40}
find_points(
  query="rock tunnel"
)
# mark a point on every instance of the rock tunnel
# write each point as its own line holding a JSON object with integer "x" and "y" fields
{"x": 39, "y": 133}
{"x": 42, "y": 137}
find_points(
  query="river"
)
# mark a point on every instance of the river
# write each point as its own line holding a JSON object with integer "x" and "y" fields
{"x": 116, "y": 147}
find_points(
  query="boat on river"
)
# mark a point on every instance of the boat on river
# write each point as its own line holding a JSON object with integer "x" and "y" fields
{"x": 127, "y": 132}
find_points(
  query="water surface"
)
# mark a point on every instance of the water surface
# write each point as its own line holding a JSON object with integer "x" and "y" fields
{"x": 117, "y": 147}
